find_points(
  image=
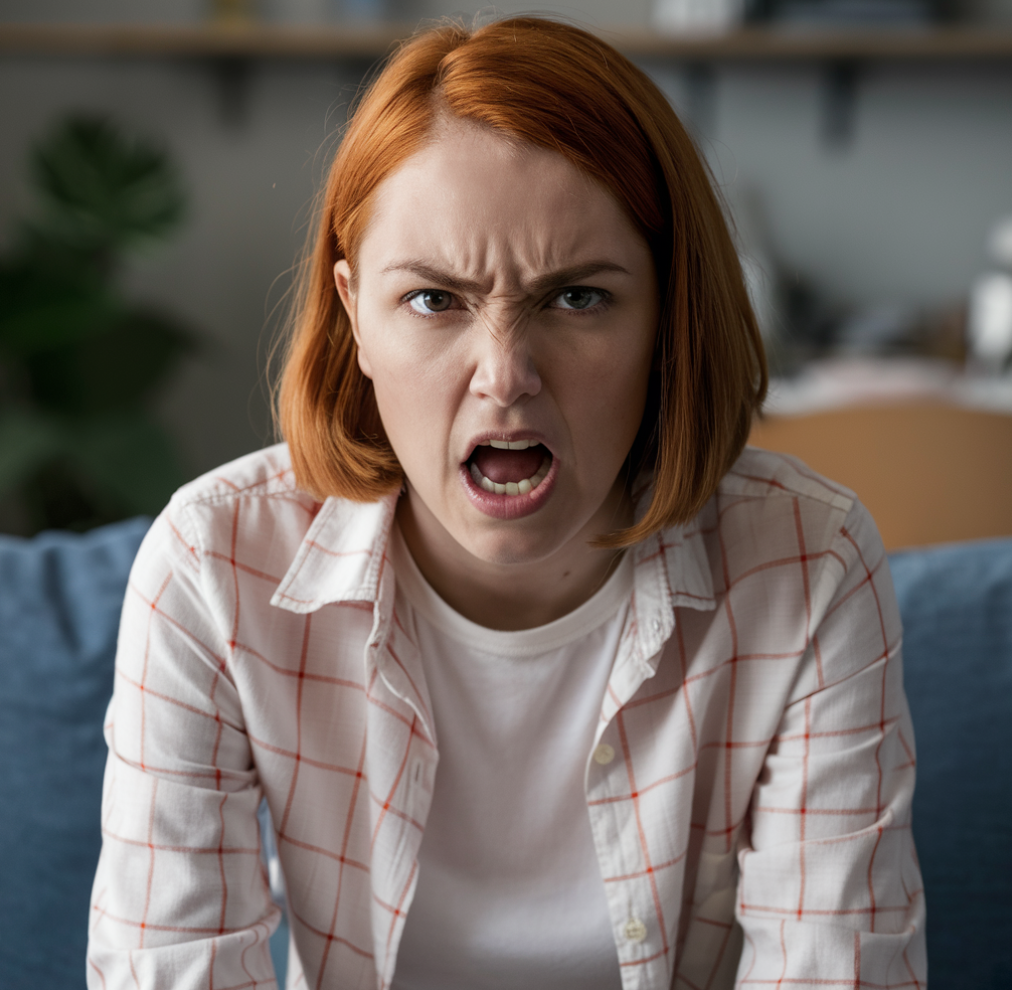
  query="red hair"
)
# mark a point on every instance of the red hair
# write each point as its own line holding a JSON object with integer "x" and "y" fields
{"x": 563, "y": 89}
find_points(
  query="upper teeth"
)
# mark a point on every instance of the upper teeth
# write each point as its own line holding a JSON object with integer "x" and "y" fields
{"x": 509, "y": 444}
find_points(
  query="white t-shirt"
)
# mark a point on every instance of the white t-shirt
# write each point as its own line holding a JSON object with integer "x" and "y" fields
{"x": 510, "y": 895}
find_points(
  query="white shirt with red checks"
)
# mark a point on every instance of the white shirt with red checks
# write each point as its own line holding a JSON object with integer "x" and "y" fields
{"x": 752, "y": 828}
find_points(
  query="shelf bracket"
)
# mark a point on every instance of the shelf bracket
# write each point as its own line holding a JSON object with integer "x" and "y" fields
{"x": 232, "y": 77}
{"x": 701, "y": 99}
{"x": 839, "y": 104}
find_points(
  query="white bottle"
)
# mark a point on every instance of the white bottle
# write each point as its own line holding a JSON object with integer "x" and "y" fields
{"x": 989, "y": 322}
{"x": 697, "y": 16}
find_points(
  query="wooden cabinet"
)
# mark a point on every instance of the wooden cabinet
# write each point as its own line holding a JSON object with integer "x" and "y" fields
{"x": 928, "y": 472}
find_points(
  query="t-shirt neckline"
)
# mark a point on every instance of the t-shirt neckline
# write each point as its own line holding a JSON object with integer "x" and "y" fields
{"x": 520, "y": 643}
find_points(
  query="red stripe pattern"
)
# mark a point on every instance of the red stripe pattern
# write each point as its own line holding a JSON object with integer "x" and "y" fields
{"x": 752, "y": 829}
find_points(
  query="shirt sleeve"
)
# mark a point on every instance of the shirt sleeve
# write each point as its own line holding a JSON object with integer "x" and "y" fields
{"x": 829, "y": 892}
{"x": 180, "y": 897}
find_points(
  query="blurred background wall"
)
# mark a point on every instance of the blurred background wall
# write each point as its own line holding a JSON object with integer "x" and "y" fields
{"x": 894, "y": 211}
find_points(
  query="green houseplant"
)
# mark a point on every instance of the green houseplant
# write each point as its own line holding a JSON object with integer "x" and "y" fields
{"x": 80, "y": 363}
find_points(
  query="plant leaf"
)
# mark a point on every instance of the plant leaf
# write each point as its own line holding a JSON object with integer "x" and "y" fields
{"x": 104, "y": 189}
{"x": 41, "y": 309}
{"x": 111, "y": 370}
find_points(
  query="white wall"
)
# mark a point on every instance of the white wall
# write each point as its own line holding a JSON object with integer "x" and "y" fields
{"x": 898, "y": 214}
{"x": 901, "y": 214}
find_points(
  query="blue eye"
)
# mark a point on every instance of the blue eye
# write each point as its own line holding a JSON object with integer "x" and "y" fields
{"x": 429, "y": 301}
{"x": 578, "y": 297}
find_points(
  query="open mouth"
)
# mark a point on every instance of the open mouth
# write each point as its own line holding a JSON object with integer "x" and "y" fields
{"x": 509, "y": 467}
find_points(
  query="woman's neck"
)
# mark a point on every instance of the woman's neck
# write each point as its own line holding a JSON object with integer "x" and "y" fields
{"x": 511, "y": 596}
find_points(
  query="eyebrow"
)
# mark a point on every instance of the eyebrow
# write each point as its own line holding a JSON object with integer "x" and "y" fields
{"x": 563, "y": 276}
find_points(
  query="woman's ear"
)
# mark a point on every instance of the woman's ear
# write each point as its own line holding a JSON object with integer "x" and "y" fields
{"x": 349, "y": 298}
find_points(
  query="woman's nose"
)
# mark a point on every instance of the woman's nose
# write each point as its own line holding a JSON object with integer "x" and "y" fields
{"x": 504, "y": 370}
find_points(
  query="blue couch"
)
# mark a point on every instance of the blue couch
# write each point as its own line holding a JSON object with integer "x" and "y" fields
{"x": 60, "y": 596}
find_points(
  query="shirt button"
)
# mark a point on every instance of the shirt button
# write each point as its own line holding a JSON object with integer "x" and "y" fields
{"x": 604, "y": 754}
{"x": 635, "y": 930}
{"x": 657, "y": 625}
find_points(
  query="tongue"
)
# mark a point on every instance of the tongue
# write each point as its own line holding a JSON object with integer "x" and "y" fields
{"x": 502, "y": 466}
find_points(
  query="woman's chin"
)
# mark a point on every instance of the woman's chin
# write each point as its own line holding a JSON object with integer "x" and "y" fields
{"x": 532, "y": 538}
{"x": 506, "y": 549}
{"x": 503, "y": 530}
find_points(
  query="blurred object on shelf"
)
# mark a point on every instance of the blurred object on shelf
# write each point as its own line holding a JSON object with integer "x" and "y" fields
{"x": 851, "y": 13}
{"x": 303, "y": 11}
{"x": 698, "y": 16}
{"x": 233, "y": 11}
{"x": 875, "y": 329}
{"x": 364, "y": 11}
{"x": 941, "y": 333}
{"x": 892, "y": 329}
{"x": 79, "y": 364}
{"x": 990, "y": 318}
{"x": 815, "y": 328}
{"x": 990, "y": 325}
{"x": 810, "y": 323}
{"x": 996, "y": 12}
{"x": 836, "y": 383}
{"x": 822, "y": 14}
{"x": 929, "y": 470}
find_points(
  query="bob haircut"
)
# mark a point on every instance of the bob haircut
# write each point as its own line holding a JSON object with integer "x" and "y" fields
{"x": 562, "y": 89}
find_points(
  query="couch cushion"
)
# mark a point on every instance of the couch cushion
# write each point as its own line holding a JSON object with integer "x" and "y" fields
{"x": 60, "y": 599}
{"x": 956, "y": 603}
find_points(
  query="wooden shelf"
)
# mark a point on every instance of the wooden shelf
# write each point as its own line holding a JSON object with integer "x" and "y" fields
{"x": 806, "y": 44}
{"x": 200, "y": 41}
{"x": 270, "y": 41}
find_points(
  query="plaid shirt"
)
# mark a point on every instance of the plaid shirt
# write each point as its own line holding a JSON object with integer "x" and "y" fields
{"x": 748, "y": 792}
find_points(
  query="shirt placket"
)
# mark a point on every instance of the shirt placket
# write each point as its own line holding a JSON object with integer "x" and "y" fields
{"x": 620, "y": 835}
{"x": 393, "y": 666}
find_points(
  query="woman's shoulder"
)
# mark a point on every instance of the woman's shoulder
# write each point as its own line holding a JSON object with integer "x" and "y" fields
{"x": 245, "y": 509}
{"x": 262, "y": 473}
{"x": 765, "y": 473}
{"x": 774, "y": 503}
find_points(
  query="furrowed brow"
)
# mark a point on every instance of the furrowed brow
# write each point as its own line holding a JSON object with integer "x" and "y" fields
{"x": 550, "y": 280}
{"x": 573, "y": 276}
{"x": 434, "y": 276}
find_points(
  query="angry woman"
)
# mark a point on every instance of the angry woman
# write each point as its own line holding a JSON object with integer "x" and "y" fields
{"x": 548, "y": 681}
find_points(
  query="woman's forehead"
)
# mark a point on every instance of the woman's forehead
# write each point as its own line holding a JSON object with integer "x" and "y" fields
{"x": 471, "y": 193}
{"x": 455, "y": 147}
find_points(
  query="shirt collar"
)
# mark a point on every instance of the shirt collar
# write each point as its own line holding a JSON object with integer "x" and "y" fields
{"x": 342, "y": 555}
{"x": 680, "y": 550}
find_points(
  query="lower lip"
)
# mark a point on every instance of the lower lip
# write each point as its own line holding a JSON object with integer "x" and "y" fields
{"x": 509, "y": 506}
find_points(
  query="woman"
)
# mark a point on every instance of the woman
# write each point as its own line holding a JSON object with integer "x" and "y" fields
{"x": 513, "y": 532}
